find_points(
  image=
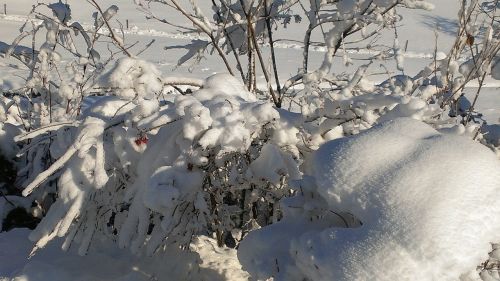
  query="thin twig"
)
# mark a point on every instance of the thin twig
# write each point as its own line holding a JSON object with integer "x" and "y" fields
{"x": 116, "y": 40}
{"x": 271, "y": 44}
{"x": 275, "y": 98}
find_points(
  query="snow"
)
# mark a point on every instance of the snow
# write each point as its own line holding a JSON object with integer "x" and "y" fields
{"x": 411, "y": 107}
{"x": 493, "y": 133}
{"x": 61, "y": 11}
{"x": 226, "y": 85}
{"x": 272, "y": 165}
{"x": 426, "y": 199}
{"x": 133, "y": 77}
{"x": 412, "y": 188}
{"x": 165, "y": 188}
{"x": 110, "y": 263}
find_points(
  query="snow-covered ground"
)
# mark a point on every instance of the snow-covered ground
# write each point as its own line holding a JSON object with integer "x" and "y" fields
{"x": 110, "y": 263}
{"x": 213, "y": 263}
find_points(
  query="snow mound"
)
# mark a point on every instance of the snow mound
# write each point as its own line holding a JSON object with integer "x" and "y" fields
{"x": 427, "y": 202}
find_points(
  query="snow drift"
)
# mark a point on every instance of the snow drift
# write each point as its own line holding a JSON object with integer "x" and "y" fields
{"x": 427, "y": 205}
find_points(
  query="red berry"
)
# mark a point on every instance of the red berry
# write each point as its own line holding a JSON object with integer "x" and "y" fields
{"x": 141, "y": 140}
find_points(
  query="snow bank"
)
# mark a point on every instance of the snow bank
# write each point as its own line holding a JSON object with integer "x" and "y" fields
{"x": 427, "y": 202}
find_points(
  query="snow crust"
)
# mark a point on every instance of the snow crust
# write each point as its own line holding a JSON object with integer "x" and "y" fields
{"x": 426, "y": 202}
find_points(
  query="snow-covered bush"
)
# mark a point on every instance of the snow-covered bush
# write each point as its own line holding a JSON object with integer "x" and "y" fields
{"x": 54, "y": 91}
{"x": 435, "y": 95}
{"x": 400, "y": 201}
{"x": 196, "y": 165}
{"x": 120, "y": 152}
{"x": 42, "y": 116}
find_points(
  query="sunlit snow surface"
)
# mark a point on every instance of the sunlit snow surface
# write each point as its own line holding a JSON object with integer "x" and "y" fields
{"x": 427, "y": 203}
{"x": 426, "y": 200}
{"x": 452, "y": 236}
